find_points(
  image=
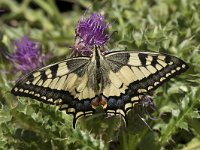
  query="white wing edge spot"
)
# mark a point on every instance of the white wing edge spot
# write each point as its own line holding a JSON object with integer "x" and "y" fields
{"x": 168, "y": 74}
{"x": 156, "y": 83}
{"x": 21, "y": 90}
{"x": 31, "y": 92}
{"x": 43, "y": 97}
{"x": 110, "y": 111}
{"x": 128, "y": 105}
{"x": 162, "y": 79}
{"x": 50, "y": 100}
{"x": 70, "y": 110}
{"x": 150, "y": 87}
{"x": 58, "y": 101}
{"x": 142, "y": 90}
{"x": 28, "y": 82}
{"x": 38, "y": 95}
{"x": 64, "y": 106}
{"x": 173, "y": 71}
{"x": 120, "y": 111}
{"x": 78, "y": 114}
{"x": 135, "y": 98}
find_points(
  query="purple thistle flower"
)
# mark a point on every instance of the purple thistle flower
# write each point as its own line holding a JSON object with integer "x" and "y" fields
{"x": 27, "y": 56}
{"x": 90, "y": 32}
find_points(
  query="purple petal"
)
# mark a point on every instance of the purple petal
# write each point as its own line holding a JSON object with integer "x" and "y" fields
{"x": 91, "y": 31}
{"x": 27, "y": 55}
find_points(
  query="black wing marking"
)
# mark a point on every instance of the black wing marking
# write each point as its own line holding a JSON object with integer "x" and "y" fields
{"x": 133, "y": 74}
{"x": 66, "y": 84}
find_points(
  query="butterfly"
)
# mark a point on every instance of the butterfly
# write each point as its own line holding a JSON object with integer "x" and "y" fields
{"x": 115, "y": 80}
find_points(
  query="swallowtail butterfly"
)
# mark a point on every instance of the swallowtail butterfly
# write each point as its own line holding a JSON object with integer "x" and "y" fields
{"x": 116, "y": 80}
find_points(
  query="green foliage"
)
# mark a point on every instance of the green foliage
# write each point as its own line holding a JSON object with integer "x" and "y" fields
{"x": 169, "y": 26}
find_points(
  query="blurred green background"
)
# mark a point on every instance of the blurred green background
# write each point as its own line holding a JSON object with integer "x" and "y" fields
{"x": 169, "y": 26}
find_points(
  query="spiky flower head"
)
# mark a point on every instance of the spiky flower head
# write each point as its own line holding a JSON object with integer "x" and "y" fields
{"x": 90, "y": 32}
{"x": 27, "y": 55}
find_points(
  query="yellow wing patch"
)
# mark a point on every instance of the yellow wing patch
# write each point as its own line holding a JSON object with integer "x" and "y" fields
{"x": 133, "y": 74}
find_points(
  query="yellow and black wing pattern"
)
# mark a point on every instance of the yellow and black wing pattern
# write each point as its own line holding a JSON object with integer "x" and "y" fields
{"x": 67, "y": 84}
{"x": 128, "y": 76}
{"x": 116, "y": 80}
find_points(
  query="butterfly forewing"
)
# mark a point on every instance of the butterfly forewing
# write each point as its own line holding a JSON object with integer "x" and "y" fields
{"x": 65, "y": 83}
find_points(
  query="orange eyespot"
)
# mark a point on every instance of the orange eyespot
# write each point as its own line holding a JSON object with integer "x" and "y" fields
{"x": 103, "y": 102}
{"x": 95, "y": 102}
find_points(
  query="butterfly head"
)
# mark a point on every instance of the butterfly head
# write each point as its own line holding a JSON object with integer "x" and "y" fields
{"x": 80, "y": 48}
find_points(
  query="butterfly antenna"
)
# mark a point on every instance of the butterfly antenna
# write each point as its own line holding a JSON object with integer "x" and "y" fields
{"x": 84, "y": 14}
{"x": 114, "y": 32}
{"x": 87, "y": 9}
{"x": 72, "y": 53}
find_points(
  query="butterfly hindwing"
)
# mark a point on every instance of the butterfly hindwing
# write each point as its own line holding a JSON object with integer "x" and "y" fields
{"x": 65, "y": 83}
{"x": 133, "y": 74}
